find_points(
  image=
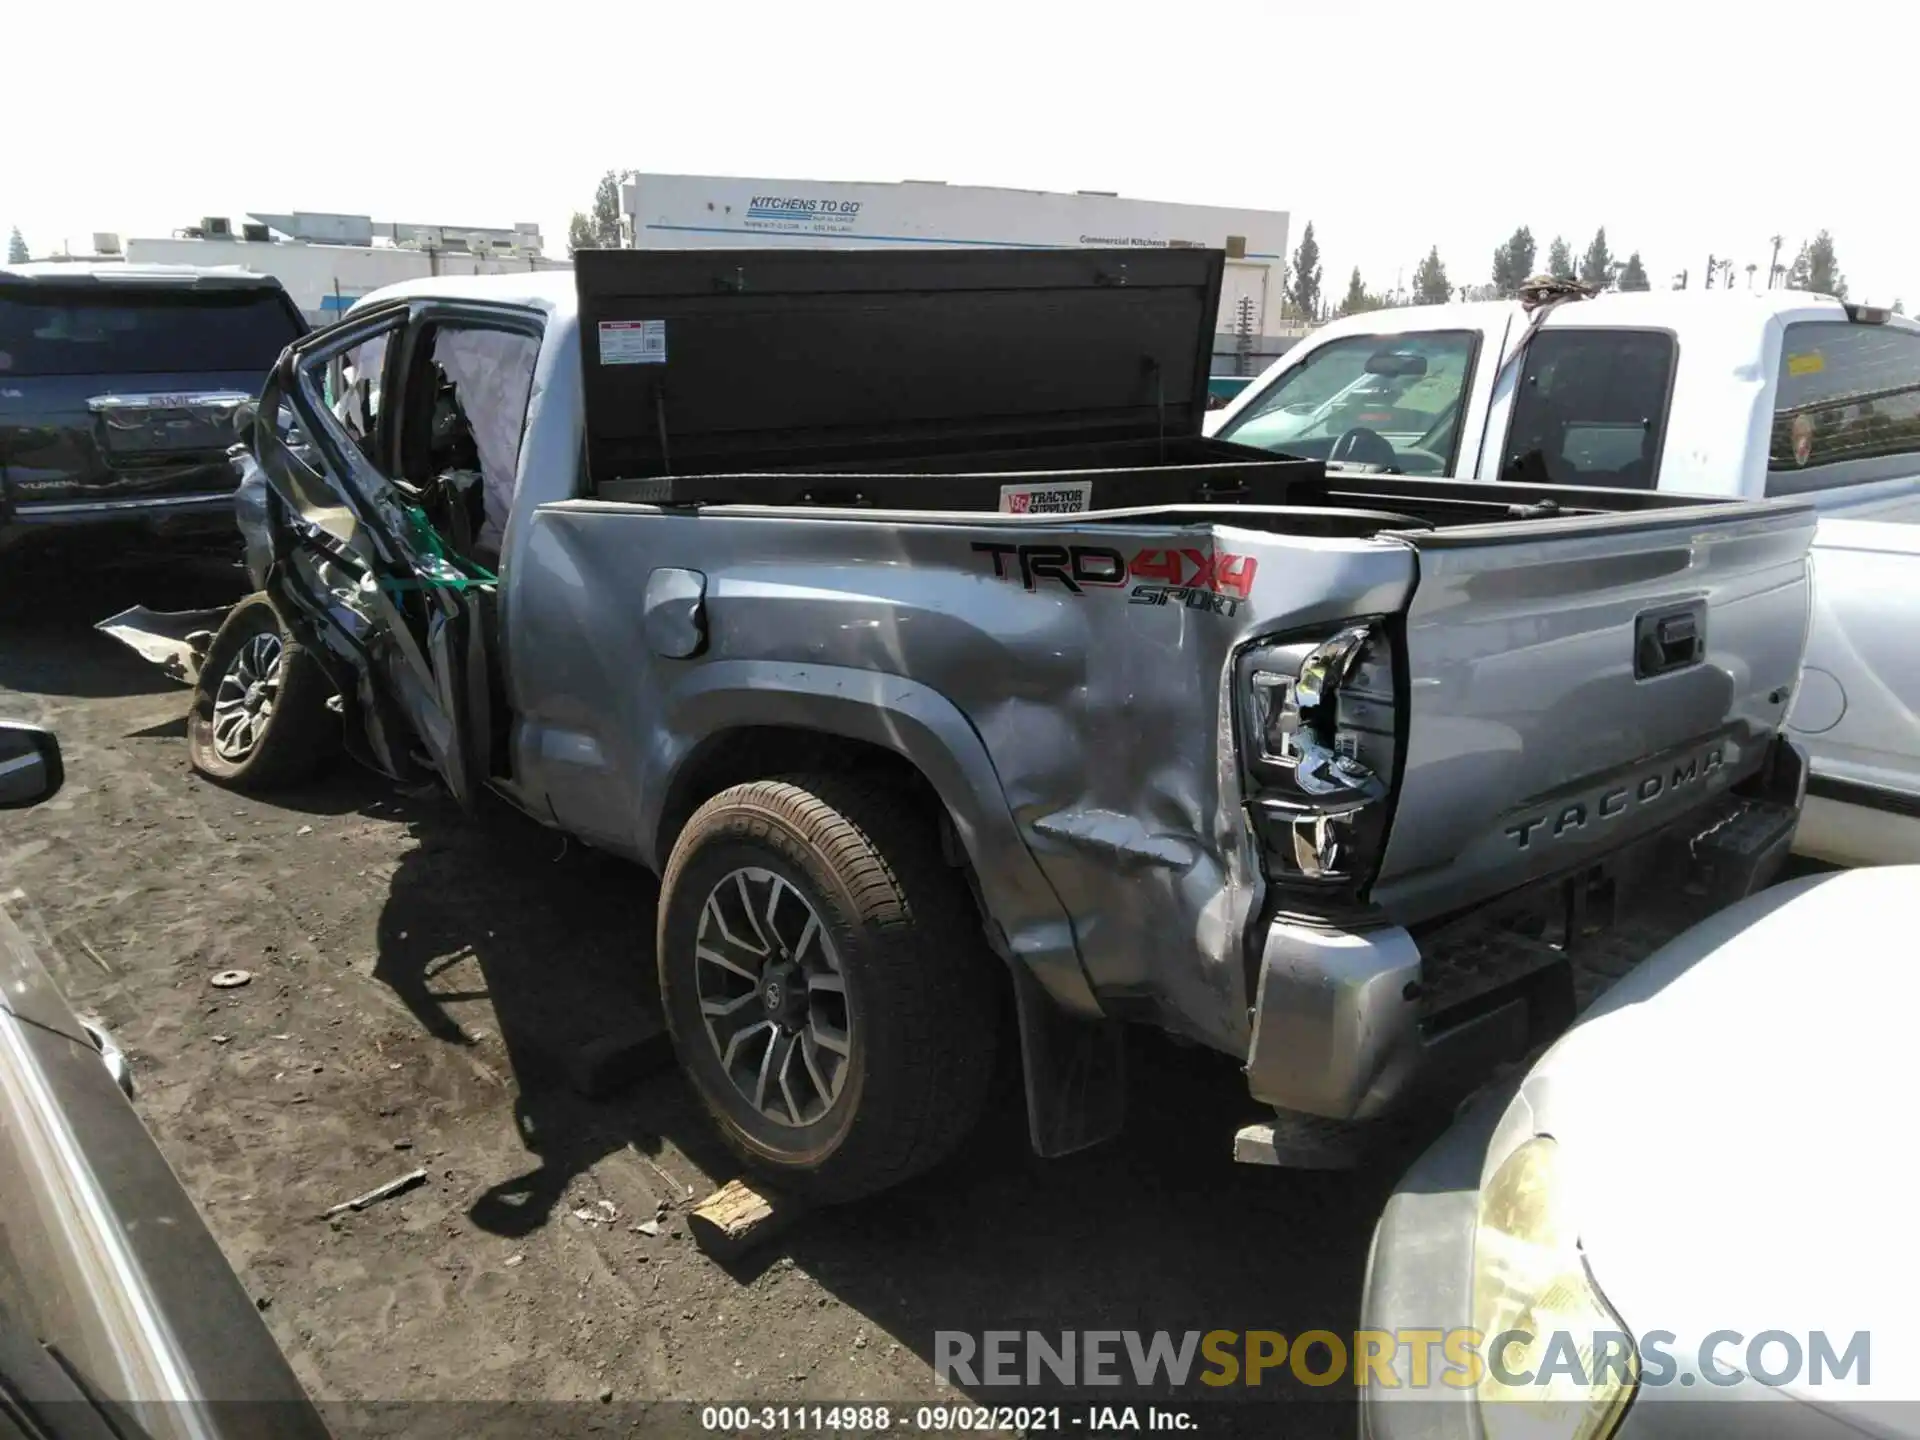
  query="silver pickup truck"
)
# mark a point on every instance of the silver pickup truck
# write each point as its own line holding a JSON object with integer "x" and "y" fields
{"x": 892, "y": 607}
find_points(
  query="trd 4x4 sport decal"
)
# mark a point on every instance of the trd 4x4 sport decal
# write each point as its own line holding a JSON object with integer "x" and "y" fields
{"x": 1198, "y": 579}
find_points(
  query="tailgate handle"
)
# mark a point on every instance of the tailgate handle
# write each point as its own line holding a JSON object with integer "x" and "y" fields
{"x": 1669, "y": 640}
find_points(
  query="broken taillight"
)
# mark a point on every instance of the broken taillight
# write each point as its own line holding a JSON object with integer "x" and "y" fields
{"x": 1318, "y": 752}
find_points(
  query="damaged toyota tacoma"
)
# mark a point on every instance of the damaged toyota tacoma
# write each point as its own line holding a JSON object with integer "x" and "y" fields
{"x": 892, "y": 608}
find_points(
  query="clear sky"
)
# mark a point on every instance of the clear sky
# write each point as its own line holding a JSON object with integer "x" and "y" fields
{"x": 1684, "y": 128}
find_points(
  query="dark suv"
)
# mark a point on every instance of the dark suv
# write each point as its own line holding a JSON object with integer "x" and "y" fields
{"x": 118, "y": 386}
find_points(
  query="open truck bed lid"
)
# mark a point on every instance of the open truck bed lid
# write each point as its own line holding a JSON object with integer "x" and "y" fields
{"x": 702, "y": 362}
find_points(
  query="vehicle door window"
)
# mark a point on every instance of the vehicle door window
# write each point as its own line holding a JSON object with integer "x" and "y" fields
{"x": 1388, "y": 400}
{"x": 1590, "y": 408}
{"x": 352, "y": 385}
{"x": 466, "y": 411}
{"x": 1847, "y": 407}
{"x": 338, "y": 380}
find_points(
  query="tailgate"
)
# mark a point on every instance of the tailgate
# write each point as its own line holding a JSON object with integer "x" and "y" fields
{"x": 110, "y": 437}
{"x": 1574, "y": 684}
{"x": 152, "y": 427}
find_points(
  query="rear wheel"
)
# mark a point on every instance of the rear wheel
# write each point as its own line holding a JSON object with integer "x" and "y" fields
{"x": 826, "y": 983}
{"x": 260, "y": 718}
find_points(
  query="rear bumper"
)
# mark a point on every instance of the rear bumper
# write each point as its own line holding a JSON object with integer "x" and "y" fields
{"x": 206, "y": 513}
{"x": 1361, "y": 1025}
{"x": 211, "y": 504}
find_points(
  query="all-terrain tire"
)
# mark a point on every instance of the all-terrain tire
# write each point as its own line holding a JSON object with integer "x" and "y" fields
{"x": 919, "y": 979}
{"x": 296, "y": 736}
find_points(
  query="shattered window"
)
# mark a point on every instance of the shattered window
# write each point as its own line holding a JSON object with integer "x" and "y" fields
{"x": 352, "y": 390}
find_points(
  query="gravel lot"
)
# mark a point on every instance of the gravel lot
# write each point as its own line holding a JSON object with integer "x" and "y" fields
{"x": 418, "y": 983}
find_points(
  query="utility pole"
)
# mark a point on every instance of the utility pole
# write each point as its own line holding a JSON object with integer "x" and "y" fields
{"x": 1712, "y": 264}
{"x": 1773, "y": 271}
{"x": 1680, "y": 280}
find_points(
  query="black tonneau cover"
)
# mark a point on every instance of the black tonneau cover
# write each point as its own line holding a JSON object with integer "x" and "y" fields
{"x": 704, "y": 362}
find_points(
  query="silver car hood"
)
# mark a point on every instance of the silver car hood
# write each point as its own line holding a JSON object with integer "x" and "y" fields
{"x": 1736, "y": 1121}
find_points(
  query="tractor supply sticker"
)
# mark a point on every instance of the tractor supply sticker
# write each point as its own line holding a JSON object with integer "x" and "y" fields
{"x": 1207, "y": 580}
{"x": 1061, "y": 497}
{"x": 633, "y": 342}
{"x": 1811, "y": 363}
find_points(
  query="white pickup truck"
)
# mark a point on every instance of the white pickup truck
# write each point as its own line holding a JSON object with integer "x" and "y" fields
{"x": 1735, "y": 394}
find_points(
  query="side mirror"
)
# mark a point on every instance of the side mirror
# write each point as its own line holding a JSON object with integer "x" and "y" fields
{"x": 30, "y": 769}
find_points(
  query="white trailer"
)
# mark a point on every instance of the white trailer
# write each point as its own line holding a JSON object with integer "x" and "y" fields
{"x": 677, "y": 212}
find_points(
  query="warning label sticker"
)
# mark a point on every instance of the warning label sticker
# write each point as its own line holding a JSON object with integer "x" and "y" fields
{"x": 1059, "y": 497}
{"x": 633, "y": 342}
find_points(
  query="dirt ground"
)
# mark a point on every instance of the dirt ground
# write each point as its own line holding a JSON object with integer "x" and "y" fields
{"x": 419, "y": 981}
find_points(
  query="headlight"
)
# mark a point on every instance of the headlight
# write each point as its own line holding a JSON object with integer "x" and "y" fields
{"x": 1318, "y": 747}
{"x": 1573, "y": 1374}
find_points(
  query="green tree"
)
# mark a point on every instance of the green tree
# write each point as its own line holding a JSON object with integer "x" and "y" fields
{"x": 1597, "y": 266}
{"x": 1823, "y": 271}
{"x": 17, "y": 252}
{"x": 1800, "y": 273}
{"x": 1359, "y": 300}
{"x": 1560, "y": 259}
{"x": 1303, "y": 278}
{"x": 598, "y": 228}
{"x": 1513, "y": 263}
{"x": 1633, "y": 275}
{"x": 1430, "y": 285}
{"x": 1899, "y": 307}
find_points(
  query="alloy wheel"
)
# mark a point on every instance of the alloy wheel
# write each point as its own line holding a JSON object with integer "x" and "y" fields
{"x": 243, "y": 703}
{"x": 773, "y": 998}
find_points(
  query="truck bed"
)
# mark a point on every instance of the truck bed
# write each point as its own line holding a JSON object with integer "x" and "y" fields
{"x": 814, "y": 451}
{"x": 1175, "y": 481}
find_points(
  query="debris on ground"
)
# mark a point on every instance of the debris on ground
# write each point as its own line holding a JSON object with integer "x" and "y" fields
{"x": 601, "y": 1212}
{"x": 739, "y": 1216}
{"x": 672, "y": 1184}
{"x": 646, "y": 1227}
{"x": 380, "y": 1192}
{"x": 230, "y": 979}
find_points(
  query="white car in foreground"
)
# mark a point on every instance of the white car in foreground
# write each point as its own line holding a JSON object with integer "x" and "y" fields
{"x": 1701, "y": 1193}
{"x": 1857, "y": 711}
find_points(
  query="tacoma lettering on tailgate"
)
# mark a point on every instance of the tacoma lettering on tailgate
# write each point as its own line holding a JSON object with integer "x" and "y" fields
{"x": 1611, "y": 804}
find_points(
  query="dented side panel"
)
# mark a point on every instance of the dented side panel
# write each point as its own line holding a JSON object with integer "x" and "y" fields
{"x": 1090, "y": 665}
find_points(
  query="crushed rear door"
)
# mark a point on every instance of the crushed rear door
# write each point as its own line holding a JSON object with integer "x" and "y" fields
{"x": 362, "y": 563}
{"x": 1575, "y": 683}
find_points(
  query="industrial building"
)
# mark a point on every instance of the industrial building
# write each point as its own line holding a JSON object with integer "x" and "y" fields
{"x": 670, "y": 212}
{"x": 326, "y": 262}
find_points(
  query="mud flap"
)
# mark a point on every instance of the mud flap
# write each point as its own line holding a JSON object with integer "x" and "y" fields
{"x": 1075, "y": 1072}
{"x": 175, "y": 640}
